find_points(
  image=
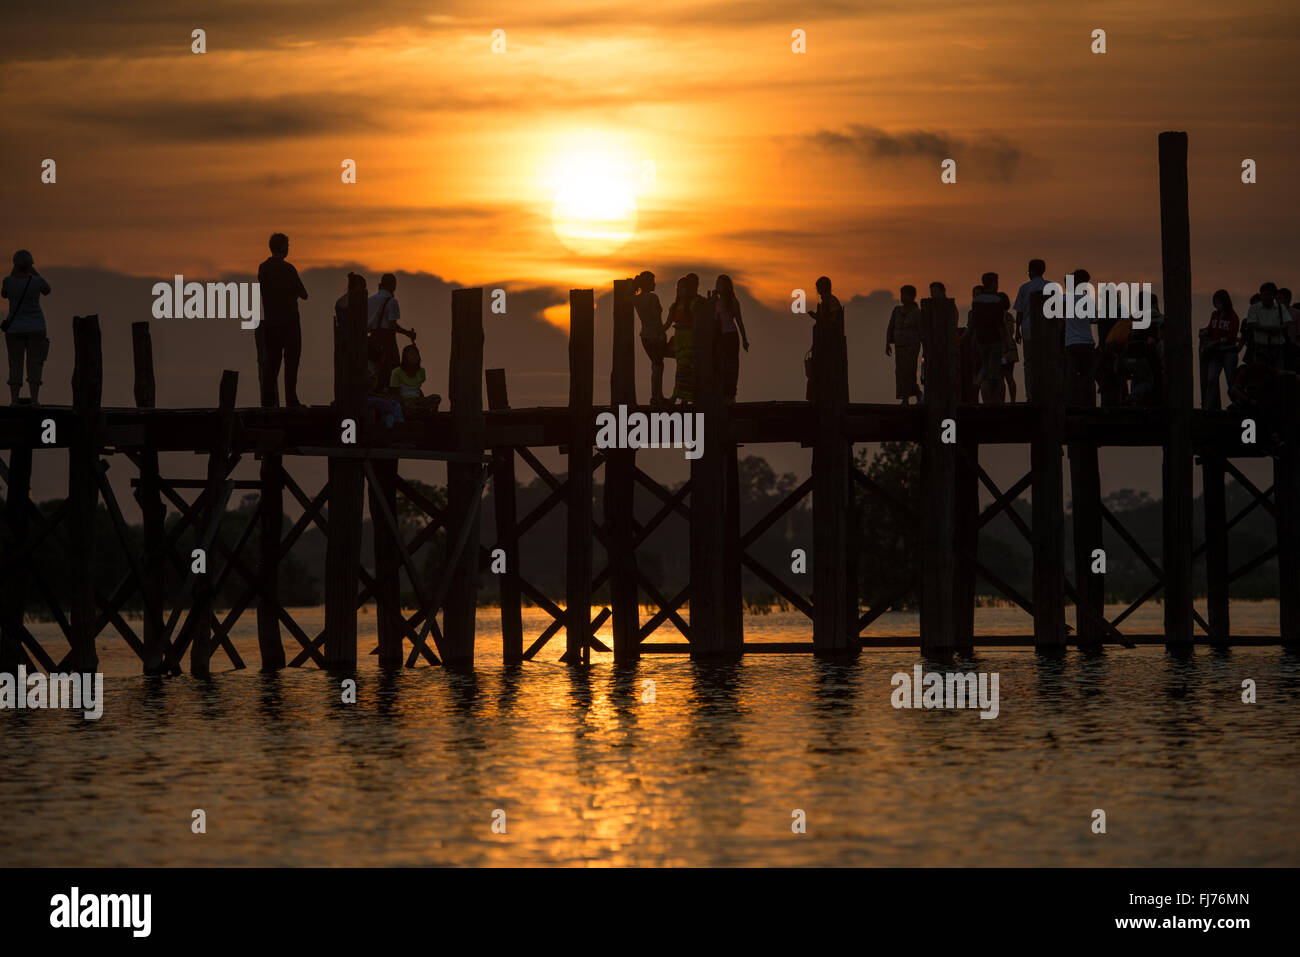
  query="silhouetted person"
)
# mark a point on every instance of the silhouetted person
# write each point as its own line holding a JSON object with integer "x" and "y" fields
{"x": 355, "y": 281}
{"x": 1266, "y": 323}
{"x": 280, "y": 327}
{"x": 406, "y": 383}
{"x": 1291, "y": 347}
{"x": 730, "y": 334}
{"x": 1080, "y": 348}
{"x": 1218, "y": 350}
{"x": 828, "y": 311}
{"x": 1022, "y": 309}
{"x": 383, "y": 315}
{"x": 682, "y": 315}
{"x": 987, "y": 326}
{"x": 24, "y": 326}
{"x": 903, "y": 341}
{"x": 654, "y": 331}
{"x": 1010, "y": 355}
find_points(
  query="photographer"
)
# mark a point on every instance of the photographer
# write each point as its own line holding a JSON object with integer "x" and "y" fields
{"x": 24, "y": 325}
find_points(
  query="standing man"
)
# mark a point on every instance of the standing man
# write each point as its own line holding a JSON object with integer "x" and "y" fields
{"x": 1037, "y": 268}
{"x": 828, "y": 311}
{"x": 382, "y": 315}
{"x": 1080, "y": 347}
{"x": 987, "y": 326}
{"x": 281, "y": 330}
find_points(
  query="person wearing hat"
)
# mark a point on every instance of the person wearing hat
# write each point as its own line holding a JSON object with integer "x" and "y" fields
{"x": 24, "y": 325}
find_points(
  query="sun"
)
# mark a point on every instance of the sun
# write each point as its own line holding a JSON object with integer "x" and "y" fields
{"x": 594, "y": 212}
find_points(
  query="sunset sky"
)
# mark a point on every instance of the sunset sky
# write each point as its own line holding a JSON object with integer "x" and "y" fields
{"x": 767, "y": 164}
{"x": 474, "y": 167}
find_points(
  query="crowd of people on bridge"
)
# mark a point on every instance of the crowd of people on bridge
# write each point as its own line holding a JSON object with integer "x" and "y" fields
{"x": 1108, "y": 359}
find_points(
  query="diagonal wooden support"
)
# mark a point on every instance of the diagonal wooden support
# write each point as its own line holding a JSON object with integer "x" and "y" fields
{"x": 1249, "y": 486}
{"x": 871, "y": 614}
{"x": 777, "y": 585}
{"x": 871, "y": 485}
{"x": 668, "y": 610}
{"x": 776, "y": 514}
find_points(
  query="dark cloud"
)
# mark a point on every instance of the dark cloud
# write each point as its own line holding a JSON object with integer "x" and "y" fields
{"x": 988, "y": 156}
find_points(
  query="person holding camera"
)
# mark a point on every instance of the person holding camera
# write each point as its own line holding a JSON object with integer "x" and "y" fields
{"x": 24, "y": 326}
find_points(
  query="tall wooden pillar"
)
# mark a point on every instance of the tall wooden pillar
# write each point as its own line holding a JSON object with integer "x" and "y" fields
{"x": 1286, "y": 492}
{"x": 1047, "y": 344}
{"x": 939, "y": 478}
{"x": 710, "y": 635}
{"x": 833, "y": 633}
{"x": 465, "y": 387}
{"x": 1216, "y": 548}
{"x": 83, "y": 490}
{"x": 271, "y": 527}
{"x": 620, "y": 469}
{"x": 153, "y": 514}
{"x": 13, "y": 590}
{"x": 966, "y": 531}
{"x": 1176, "y": 255}
{"x": 507, "y": 523}
{"x": 200, "y": 620}
{"x": 347, "y": 493}
{"x": 578, "y": 538}
{"x": 1085, "y": 507}
{"x": 388, "y": 563}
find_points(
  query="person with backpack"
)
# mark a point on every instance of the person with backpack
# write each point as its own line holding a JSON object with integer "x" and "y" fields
{"x": 382, "y": 322}
{"x": 24, "y": 326}
{"x": 1218, "y": 350}
{"x": 1265, "y": 324}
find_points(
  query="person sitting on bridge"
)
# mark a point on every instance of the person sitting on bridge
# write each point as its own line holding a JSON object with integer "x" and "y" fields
{"x": 407, "y": 382}
{"x": 903, "y": 342}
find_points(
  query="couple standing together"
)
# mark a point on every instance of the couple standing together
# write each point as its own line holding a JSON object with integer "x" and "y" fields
{"x": 729, "y": 335}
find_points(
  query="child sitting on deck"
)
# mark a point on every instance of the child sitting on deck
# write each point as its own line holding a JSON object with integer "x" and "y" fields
{"x": 407, "y": 381}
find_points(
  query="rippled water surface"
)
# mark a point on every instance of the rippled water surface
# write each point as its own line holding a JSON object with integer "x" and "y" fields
{"x": 709, "y": 772}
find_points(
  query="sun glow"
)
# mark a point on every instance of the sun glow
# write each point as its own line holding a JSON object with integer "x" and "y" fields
{"x": 594, "y": 210}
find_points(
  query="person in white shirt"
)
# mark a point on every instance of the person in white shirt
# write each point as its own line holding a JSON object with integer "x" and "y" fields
{"x": 382, "y": 315}
{"x": 1080, "y": 348}
{"x": 1037, "y": 268}
{"x": 1265, "y": 326}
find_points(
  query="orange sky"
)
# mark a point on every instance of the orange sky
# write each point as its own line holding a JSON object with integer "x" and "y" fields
{"x": 770, "y": 165}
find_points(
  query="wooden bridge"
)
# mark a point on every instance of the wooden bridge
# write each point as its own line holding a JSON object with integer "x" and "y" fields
{"x": 481, "y": 446}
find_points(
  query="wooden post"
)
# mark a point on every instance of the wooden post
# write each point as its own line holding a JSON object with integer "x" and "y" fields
{"x": 966, "y": 529}
{"x": 83, "y": 490}
{"x": 153, "y": 514}
{"x": 201, "y": 606}
{"x": 505, "y": 504}
{"x": 271, "y": 519}
{"x": 347, "y": 493}
{"x": 1216, "y": 548}
{"x": 1286, "y": 492}
{"x": 582, "y": 310}
{"x": 1049, "y": 480}
{"x": 939, "y": 478}
{"x": 708, "y": 613}
{"x": 1085, "y": 507}
{"x": 388, "y": 563}
{"x": 833, "y": 633}
{"x": 14, "y": 594}
{"x": 1175, "y": 245}
{"x": 620, "y": 470}
{"x": 465, "y": 390}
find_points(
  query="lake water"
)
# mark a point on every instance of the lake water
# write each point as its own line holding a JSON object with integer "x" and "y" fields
{"x": 709, "y": 772}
